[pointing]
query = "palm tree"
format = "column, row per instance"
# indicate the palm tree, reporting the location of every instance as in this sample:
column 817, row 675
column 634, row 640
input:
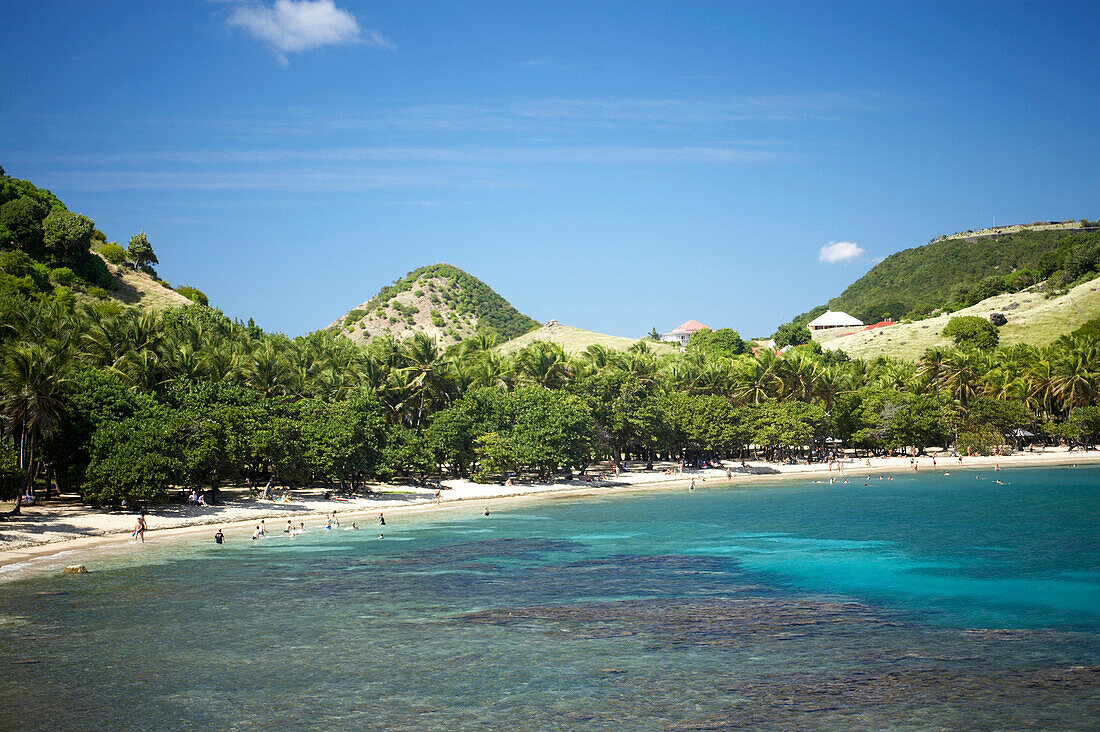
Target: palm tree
column 420, row 361
column 755, row 379
column 1075, row 376
column 963, row 376
column 931, row 366
column 31, row 379
column 544, row 364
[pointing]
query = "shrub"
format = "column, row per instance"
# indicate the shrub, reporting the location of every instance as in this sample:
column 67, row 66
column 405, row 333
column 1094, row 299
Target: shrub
column 971, row 331
column 353, row 316
column 791, row 334
column 113, row 253
column 62, row 275
column 64, row 297
column 419, row 293
column 98, row 293
column 193, row 294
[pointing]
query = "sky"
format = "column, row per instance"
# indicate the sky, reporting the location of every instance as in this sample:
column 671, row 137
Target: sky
column 615, row 166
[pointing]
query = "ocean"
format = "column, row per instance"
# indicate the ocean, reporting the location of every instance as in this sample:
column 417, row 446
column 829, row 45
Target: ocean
column 922, row 602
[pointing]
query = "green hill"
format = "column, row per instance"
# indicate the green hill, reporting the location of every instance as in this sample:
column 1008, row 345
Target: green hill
column 954, row 272
column 441, row 300
column 50, row 253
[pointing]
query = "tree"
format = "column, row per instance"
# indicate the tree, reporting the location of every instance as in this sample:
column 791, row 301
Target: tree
column 791, row 334
column 31, row 378
column 653, row 334
column 67, row 236
column 971, row 331
column 722, row 342
column 134, row 460
column 141, row 252
column 21, row 219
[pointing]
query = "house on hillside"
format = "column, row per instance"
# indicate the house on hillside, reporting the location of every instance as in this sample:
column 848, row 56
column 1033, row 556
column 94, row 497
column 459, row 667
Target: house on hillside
column 681, row 333
column 833, row 319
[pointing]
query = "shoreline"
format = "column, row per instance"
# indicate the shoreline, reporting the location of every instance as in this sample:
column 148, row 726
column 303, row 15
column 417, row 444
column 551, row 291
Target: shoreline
column 463, row 493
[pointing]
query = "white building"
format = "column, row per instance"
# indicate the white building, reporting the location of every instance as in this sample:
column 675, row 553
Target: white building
column 833, row 319
column 681, row 333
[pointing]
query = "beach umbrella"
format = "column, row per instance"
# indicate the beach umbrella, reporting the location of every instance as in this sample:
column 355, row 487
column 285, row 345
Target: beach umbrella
column 1018, row 432
column 833, row 441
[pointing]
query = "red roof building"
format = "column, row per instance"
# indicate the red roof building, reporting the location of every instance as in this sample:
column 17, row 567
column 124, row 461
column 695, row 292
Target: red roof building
column 681, row 333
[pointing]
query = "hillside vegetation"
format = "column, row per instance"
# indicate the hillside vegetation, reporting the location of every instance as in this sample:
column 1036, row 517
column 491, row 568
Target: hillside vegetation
column 576, row 340
column 950, row 274
column 441, row 301
column 1033, row 319
column 49, row 254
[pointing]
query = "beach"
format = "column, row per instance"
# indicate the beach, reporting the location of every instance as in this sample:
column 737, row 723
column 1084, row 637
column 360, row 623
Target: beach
column 43, row 531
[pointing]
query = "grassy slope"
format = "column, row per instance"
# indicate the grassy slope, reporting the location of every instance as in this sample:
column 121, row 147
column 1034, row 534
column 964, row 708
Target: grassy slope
column 575, row 340
column 1036, row 321
column 138, row 289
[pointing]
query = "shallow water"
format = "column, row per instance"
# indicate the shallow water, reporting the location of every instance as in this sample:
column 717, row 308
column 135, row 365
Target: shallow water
column 915, row 603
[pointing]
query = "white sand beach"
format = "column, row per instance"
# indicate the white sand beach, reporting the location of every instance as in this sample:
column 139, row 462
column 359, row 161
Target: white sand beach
column 44, row 530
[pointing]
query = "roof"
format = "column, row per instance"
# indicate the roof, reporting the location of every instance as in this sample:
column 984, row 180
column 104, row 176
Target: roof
column 689, row 327
column 833, row 319
column 879, row 324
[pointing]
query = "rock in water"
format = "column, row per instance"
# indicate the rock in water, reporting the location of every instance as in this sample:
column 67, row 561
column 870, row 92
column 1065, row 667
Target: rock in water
column 76, row 569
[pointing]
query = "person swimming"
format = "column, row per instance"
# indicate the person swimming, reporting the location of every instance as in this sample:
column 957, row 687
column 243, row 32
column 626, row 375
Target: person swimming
column 380, row 536
column 486, row 513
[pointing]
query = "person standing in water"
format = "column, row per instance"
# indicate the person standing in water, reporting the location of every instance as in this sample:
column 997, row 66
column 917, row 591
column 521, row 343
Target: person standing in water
column 692, row 486
column 381, row 519
column 139, row 532
column 263, row 528
column 219, row 537
column 486, row 513
column 289, row 527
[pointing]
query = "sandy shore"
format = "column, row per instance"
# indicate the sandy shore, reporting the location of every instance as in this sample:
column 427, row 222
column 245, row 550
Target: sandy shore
column 43, row 531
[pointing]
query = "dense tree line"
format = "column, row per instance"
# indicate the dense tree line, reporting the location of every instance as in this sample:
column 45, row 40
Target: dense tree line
column 128, row 405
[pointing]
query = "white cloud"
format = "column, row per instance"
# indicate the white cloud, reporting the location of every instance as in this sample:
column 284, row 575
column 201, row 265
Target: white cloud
column 299, row 25
column 839, row 251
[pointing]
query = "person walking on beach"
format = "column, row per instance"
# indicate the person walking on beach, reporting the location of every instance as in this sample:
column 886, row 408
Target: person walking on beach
column 139, row 532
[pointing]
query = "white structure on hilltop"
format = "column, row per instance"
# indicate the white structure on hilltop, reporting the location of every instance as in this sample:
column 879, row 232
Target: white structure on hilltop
column 681, row 333
column 833, row 319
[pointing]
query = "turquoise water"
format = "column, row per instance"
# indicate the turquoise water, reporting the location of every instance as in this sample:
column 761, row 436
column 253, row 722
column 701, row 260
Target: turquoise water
column 915, row 603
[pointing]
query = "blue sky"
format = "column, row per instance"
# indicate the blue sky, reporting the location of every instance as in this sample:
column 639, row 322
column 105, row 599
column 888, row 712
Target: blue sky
column 614, row 166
